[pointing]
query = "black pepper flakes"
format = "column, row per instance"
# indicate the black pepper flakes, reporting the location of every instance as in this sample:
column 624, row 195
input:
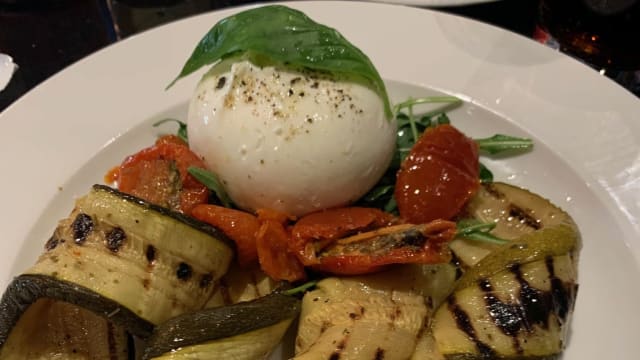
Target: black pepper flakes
column 184, row 271
column 52, row 243
column 82, row 227
column 151, row 254
column 221, row 82
column 115, row 239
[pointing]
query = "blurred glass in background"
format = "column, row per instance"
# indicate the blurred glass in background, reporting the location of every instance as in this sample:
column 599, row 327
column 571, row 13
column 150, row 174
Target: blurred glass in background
column 45, row 36
column 133, row 16
column 602, row 33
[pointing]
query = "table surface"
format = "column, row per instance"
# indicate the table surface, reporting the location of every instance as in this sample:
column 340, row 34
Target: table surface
column 44, row 40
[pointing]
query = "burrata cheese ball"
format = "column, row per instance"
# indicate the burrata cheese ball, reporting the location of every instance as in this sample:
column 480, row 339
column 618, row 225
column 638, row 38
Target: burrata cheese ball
column 292, row 140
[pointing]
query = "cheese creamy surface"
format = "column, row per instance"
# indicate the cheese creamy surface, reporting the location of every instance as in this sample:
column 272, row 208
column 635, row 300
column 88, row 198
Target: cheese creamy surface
column 290, row 141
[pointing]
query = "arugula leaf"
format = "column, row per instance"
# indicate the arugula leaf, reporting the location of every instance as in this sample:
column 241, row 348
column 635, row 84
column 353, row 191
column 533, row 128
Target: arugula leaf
column 210, row 180
column 300, row 289
column 504, row 143
column 474, row 229
column 486, row 176
column 182, row 128
column 288, row 36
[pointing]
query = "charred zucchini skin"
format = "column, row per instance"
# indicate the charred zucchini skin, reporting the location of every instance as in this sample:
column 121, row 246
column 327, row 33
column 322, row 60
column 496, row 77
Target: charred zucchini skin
column 193, row 222
column 221, row 322
column 25, row 290
column 51, row 329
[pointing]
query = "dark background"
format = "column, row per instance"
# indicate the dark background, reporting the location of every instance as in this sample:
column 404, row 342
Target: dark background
column 45, row 36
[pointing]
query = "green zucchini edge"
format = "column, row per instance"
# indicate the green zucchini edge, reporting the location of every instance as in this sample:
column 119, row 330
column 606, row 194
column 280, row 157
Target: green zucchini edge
column 188, row 220
column 25, row 290
column 220, row 322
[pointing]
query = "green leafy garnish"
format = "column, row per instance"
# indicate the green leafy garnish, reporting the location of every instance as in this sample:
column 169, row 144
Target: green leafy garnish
column 210, row 180
column 499, row 143
column 182, row 128
column 486, row 176
column 474, row 229
column 288, row 36
column 300, row 289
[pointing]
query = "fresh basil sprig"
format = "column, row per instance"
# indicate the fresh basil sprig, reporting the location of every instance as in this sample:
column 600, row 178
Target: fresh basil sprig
column 287, row 36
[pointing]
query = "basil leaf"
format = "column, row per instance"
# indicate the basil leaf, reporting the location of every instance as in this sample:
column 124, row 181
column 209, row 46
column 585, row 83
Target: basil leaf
column 288, row 36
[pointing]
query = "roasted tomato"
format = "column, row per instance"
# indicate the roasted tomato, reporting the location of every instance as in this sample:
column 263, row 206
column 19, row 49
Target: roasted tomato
column 273, row 246
column 315, row 231
column 440, row 174
column 241, row 227
column 399, row 244
column 159, row 175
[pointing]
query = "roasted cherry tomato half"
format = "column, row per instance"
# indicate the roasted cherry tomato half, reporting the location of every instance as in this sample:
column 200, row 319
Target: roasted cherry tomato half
column 437, row 178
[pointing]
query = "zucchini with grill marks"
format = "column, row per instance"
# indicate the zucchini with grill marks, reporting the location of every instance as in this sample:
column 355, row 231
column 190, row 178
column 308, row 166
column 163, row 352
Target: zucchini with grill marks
column 125, row 259
column 513, row 210
column 516, row 302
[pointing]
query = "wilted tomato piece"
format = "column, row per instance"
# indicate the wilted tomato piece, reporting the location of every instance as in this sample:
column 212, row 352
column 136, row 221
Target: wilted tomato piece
column 159, row 175
column 239, row 226
column 273, row 246
column 440, row 174
column 315, row 231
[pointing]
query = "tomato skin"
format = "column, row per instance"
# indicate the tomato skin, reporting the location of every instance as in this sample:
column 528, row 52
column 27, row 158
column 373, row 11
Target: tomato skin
column 273, row 246
column 170, row 139
column 239, row 226
column 316, row 230
column 440, row 174
column 342, row 260
column 159, row 175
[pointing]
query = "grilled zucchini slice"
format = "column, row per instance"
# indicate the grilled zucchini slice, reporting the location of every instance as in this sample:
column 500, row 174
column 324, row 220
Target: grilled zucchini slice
column 379, row 316
column 516, row 301
column 125, row 259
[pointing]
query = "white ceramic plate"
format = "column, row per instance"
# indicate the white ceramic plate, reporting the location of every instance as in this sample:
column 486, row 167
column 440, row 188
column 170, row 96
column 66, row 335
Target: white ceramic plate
column 62, row 136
